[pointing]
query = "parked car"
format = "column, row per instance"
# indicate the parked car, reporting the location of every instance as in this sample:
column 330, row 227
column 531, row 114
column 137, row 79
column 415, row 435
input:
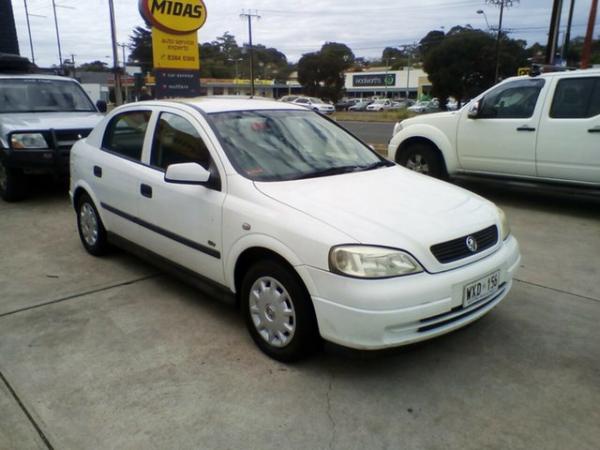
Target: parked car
column 289, row 98
column 544, row 128
column 380, row 105
column 41, row 117
column 315, row 104
column 343, row 105
column 360, row 106
column 424, row 106
column 296, row 218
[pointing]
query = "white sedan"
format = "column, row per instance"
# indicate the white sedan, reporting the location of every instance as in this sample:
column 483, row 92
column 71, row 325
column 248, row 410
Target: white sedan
column 315, row 104
column 314, row 234
column 380, row 105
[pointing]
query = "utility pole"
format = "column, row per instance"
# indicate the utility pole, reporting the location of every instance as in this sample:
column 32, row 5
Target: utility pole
column 29, row 31
column 587, row 44
column 73, row 62
column 249, row 16
column 565, row 48
column 502, row 4
column 553, row 33
column 57, row 35
column 125, row 83
column 113, row 32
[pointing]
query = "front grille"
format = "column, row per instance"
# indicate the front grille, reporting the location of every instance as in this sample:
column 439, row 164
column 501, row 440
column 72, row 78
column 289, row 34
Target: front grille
column 66, row 138
column 456, row 249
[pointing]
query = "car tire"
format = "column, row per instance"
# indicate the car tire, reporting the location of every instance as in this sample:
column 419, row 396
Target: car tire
column 13, row 186
column 278, row 311
column 423, row 158
column 91, row 229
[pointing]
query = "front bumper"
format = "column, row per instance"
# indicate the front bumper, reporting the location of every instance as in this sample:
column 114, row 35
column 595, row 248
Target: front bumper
column 377, row 314
column 38, row 161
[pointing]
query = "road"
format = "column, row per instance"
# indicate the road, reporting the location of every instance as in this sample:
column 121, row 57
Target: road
column 371, row 132
column 112, row 353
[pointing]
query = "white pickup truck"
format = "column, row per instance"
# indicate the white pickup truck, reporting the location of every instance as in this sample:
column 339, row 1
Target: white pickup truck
column 544, row 128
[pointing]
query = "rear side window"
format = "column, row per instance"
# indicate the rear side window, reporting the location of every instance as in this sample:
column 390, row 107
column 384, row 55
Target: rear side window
column 177, row 141
column 125, row 134
column 576, row 98
column 514, row 100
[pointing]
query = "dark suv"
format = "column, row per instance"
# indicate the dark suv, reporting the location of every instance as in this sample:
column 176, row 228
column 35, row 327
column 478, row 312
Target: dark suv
column 41, row 117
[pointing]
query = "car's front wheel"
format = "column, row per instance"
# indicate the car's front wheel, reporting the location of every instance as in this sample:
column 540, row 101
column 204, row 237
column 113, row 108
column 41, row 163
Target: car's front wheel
column 91, row 230
column 12, row 183
column 279, row 312
column 422, row 158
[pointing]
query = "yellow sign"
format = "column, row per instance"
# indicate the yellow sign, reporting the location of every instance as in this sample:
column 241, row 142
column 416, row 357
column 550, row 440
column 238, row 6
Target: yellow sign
column 174, row 16
column 172, row 51
column 523, row 71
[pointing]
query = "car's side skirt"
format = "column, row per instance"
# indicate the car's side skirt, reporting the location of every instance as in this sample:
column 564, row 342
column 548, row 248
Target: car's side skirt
column 207, row 286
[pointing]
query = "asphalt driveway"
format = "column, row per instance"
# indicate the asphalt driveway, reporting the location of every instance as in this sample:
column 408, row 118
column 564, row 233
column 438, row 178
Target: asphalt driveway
column 111, row 353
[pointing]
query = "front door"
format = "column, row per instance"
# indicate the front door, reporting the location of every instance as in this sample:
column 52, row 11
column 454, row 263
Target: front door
column 501, row 139
column 182, row 222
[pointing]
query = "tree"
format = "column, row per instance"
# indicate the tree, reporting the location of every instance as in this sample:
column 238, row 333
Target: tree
column 141, row 47
column 95, row 66
column 322, row 73
column 462, row 64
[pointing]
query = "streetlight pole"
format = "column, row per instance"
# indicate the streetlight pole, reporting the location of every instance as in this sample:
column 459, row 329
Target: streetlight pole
column 113, row 32
column 249, row 15
column 29, row 31
column 481, row 11
column 57, row 35
column 498, row 37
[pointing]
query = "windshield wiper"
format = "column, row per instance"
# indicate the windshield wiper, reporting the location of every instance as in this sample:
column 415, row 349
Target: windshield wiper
column 331, row 171
column 377, row 165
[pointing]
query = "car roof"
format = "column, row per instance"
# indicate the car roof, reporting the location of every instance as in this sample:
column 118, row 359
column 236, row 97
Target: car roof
column 562, row 74
column 219, row 104
column 33, row 76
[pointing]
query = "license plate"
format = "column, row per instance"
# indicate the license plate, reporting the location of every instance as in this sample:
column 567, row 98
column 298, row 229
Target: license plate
column 473, row 292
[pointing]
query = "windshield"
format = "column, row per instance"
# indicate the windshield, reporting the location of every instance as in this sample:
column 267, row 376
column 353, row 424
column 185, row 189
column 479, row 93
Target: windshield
column 31, row 95
column 290, row 145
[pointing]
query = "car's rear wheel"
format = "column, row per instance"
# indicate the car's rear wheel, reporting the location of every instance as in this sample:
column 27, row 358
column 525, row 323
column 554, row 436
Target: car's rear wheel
column 91, row 230
column 423, row 158
column 279, row 312
column 12, row 183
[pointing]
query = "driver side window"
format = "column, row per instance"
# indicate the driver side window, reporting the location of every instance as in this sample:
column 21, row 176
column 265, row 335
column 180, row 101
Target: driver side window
column 514, row 100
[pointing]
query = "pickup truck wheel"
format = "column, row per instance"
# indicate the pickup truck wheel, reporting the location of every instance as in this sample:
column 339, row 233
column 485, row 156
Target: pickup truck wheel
column 422, row 158
column 278, row 312
column 12, row 184
column 91, row 230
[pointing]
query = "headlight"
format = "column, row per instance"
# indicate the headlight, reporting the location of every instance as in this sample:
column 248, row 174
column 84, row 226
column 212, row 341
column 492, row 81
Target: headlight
column 398, row 128
column 28, row 141
column 363, row 261
column 504, row 225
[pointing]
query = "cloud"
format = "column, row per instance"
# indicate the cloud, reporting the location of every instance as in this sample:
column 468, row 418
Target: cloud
column 293, row 27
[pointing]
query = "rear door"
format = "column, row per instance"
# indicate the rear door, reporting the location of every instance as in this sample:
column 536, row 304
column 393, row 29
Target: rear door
column 568, row 146
column 502, row 139
column 116, row 169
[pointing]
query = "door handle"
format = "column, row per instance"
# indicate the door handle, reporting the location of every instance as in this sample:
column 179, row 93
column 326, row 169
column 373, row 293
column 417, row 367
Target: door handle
column 525, row 128
column 594, row 130
column 98, row 171
column 146, row 190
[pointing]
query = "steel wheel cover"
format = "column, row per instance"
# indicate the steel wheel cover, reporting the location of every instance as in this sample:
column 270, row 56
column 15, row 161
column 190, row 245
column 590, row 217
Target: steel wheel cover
column 418, row 163
column 272, row 312
column 89, row 224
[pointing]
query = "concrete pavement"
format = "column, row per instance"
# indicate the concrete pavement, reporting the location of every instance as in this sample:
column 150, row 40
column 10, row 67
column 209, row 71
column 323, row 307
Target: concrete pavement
column 109, row 353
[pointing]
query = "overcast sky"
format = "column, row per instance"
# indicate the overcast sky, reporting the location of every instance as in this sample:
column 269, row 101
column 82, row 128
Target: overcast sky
column 292, row 26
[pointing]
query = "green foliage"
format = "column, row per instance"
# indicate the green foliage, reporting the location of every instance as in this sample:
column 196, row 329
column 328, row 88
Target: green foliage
column 95, row 66
column 322, row 73
column 463, row 63
column 141, row 47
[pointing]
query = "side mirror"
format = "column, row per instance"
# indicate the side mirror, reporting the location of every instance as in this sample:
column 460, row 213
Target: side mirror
column 474, row 111
column 187, row 173
column 102, row 106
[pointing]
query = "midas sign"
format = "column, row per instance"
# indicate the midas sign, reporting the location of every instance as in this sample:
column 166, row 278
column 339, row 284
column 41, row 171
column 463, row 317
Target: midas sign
column 174, row 16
